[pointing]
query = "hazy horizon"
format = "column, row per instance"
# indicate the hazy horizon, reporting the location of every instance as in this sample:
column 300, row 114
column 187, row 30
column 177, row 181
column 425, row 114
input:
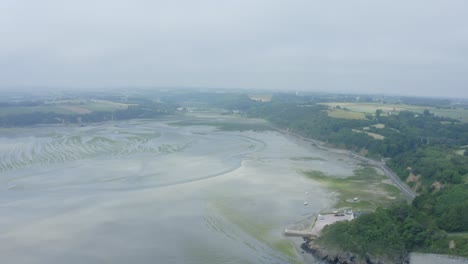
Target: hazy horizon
column 137, row 89
column 417, row 48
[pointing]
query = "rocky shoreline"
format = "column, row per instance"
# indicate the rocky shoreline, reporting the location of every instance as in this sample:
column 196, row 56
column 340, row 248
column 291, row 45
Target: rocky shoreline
column 343, row 257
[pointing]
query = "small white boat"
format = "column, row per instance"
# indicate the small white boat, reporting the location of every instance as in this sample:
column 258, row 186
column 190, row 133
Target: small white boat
column 306, row 203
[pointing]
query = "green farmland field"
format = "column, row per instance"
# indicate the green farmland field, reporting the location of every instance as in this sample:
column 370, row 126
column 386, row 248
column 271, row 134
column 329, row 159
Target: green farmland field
column 370, row 108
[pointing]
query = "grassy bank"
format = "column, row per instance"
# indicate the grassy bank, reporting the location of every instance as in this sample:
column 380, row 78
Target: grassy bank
column 372, row 189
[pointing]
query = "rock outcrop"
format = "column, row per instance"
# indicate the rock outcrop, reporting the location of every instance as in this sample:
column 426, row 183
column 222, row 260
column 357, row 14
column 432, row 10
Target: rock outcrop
column 342, row 257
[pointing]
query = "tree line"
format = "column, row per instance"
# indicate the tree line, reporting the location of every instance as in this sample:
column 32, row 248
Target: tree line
column 144, row 110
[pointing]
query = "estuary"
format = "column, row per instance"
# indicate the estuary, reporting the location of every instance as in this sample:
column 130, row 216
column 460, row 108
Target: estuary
column 149, row 191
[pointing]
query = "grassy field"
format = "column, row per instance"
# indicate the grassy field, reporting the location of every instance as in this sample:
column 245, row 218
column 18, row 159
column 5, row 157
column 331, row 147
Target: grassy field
column 339, row 113
column 374, row 135
column 370, row 187
column 460, row 114
column 370, row 108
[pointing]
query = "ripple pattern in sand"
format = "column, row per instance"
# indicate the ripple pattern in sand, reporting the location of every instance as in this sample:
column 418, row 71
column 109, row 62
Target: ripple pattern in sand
column 27, row 151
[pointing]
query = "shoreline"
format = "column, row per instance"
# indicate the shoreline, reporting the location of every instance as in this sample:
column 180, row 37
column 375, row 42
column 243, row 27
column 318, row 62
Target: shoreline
column 379, row 164
column 334, row 256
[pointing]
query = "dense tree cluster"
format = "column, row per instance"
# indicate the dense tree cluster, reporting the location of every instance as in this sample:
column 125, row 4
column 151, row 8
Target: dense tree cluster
column 448, row 207
column 436, row 163
column 404, row 228
column 391, row 231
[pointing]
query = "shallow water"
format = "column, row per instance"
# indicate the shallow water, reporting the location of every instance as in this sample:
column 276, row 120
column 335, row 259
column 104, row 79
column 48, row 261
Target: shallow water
column 147, row 192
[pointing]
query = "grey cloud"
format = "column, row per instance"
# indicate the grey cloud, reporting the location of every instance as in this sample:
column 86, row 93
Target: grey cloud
column 410, row 47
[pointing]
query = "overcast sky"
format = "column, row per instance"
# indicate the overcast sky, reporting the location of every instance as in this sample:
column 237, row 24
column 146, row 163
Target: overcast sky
column 379, row 46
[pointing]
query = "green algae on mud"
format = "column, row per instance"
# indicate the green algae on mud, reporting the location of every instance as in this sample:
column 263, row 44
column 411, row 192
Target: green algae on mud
column 307, row 158
column 371, row 189
column 228, row 124
column 258, row 228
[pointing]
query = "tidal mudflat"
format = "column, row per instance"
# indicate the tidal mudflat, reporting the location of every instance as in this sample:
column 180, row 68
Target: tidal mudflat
column 151, row 192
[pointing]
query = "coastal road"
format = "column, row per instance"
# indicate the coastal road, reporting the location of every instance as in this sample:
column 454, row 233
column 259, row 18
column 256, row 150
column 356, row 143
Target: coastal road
column 389, row 173
column 403, row 187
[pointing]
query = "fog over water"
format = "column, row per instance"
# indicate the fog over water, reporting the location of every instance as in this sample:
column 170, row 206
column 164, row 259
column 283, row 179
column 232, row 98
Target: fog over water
column 146, row 192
